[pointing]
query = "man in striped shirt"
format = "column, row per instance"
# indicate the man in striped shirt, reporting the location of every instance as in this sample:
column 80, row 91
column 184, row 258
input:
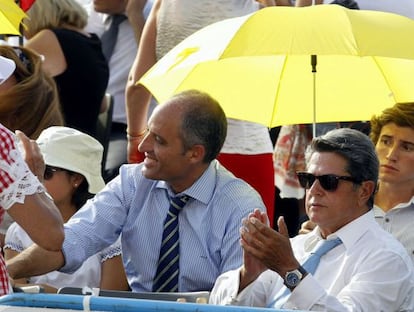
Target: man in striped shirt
column 182, row 140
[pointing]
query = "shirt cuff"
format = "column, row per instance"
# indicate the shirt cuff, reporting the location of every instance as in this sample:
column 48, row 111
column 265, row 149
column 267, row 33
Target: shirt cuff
column 305, row 295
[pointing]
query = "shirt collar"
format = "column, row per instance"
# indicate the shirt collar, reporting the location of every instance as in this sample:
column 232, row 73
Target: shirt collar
column 349, row 234
column 202, row 189
column 380, row 213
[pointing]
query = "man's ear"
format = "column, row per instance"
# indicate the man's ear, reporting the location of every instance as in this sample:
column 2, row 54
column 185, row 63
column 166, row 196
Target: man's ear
column 366, row 190
column 197, row 153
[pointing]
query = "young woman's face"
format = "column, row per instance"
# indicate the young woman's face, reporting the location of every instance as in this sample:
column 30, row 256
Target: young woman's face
column 59, row 184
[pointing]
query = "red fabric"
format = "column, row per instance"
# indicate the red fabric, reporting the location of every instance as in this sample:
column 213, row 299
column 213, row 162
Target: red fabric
column 6, row 145
column 257, row 170
column 26, row 4
column 4, row 279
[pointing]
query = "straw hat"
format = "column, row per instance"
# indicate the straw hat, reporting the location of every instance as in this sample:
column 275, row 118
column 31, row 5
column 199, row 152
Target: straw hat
column 73, row 150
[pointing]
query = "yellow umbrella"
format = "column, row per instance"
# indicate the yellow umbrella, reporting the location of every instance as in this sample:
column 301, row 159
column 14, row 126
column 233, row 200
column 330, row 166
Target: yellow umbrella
column 259, row 66
column 10, row 17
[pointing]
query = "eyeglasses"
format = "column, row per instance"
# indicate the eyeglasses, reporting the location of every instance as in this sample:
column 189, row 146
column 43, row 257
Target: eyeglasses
column 328, row 181
column 50, row 171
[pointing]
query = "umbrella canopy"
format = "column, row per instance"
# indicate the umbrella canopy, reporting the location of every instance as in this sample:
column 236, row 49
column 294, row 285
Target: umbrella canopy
column 11, row 16
column 289, row 65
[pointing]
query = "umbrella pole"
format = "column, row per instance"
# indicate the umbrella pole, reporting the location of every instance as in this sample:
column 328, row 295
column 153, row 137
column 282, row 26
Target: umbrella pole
column 314, row 61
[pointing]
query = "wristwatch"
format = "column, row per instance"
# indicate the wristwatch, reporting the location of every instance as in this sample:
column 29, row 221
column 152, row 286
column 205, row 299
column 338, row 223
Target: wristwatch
column 293, row 278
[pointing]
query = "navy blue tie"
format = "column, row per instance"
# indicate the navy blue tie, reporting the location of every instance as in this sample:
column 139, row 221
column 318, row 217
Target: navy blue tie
column 166, row 277
column 310, row 265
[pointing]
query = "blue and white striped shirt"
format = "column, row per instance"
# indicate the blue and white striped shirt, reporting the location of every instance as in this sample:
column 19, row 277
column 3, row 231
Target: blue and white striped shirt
column 136, row 207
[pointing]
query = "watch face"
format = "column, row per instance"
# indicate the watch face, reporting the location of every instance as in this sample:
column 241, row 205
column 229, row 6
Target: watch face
column 292, row 279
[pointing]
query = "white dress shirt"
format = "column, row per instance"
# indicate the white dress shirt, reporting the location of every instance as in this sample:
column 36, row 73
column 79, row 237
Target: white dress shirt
column 122, row 58
column 370, row 271
column 89, row 274
column 398, row 222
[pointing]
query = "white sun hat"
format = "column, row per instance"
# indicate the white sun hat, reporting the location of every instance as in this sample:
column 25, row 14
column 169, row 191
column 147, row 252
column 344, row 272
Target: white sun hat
column 7, row 67
column 70, row 149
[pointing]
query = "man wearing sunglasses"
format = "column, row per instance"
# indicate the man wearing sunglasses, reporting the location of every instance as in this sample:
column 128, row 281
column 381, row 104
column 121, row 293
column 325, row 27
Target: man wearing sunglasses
column 365, row 270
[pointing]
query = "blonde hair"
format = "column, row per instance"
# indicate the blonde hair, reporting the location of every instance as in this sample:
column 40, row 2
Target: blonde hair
column 33, row 103
column 50, row 14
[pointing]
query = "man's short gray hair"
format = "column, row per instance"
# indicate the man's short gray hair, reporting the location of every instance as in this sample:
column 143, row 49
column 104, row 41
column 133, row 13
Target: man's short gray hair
column 356, row 148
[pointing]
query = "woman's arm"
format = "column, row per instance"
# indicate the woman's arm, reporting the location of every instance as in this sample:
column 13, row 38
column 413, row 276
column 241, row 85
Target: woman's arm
column 113, row 275
column 137, row 97
column 135, row 13
column 24, row 282
column 9, row 254
column 37, row 214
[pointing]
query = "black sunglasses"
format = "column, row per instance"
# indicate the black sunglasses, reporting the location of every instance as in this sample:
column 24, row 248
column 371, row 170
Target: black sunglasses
column 328, row 181
column 50, row 171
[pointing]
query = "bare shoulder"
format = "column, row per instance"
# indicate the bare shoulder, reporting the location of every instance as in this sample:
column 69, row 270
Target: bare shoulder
column 47, row 44
column 42, row 40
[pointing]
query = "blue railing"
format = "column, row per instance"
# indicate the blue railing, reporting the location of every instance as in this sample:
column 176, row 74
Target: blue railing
column 96, row 303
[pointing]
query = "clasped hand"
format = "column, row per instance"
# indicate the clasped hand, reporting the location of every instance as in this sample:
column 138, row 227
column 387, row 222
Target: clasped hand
column 264, row 248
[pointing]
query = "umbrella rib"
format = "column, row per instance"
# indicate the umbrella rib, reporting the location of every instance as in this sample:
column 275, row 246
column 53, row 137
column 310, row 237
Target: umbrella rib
column 385, row 77
column 277, row 91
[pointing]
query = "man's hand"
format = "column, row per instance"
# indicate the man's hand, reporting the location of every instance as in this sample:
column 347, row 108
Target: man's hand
column 252, row 267
column 268, row 246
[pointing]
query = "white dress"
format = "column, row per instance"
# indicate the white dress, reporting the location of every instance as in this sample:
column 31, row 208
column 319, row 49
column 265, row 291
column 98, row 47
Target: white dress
column 88, row 275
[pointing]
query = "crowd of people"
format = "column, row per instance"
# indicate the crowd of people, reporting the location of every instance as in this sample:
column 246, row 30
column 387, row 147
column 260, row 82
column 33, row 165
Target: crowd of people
column 186, row 199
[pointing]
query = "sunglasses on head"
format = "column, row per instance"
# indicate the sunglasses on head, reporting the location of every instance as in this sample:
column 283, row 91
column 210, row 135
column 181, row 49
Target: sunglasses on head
column 50, row 171
column 328, row 181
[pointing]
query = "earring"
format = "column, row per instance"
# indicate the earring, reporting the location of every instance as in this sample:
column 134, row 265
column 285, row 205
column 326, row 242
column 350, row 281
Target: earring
column 76, row 184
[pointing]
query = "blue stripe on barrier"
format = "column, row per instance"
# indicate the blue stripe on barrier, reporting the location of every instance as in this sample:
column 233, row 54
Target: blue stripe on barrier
column 96, row 303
